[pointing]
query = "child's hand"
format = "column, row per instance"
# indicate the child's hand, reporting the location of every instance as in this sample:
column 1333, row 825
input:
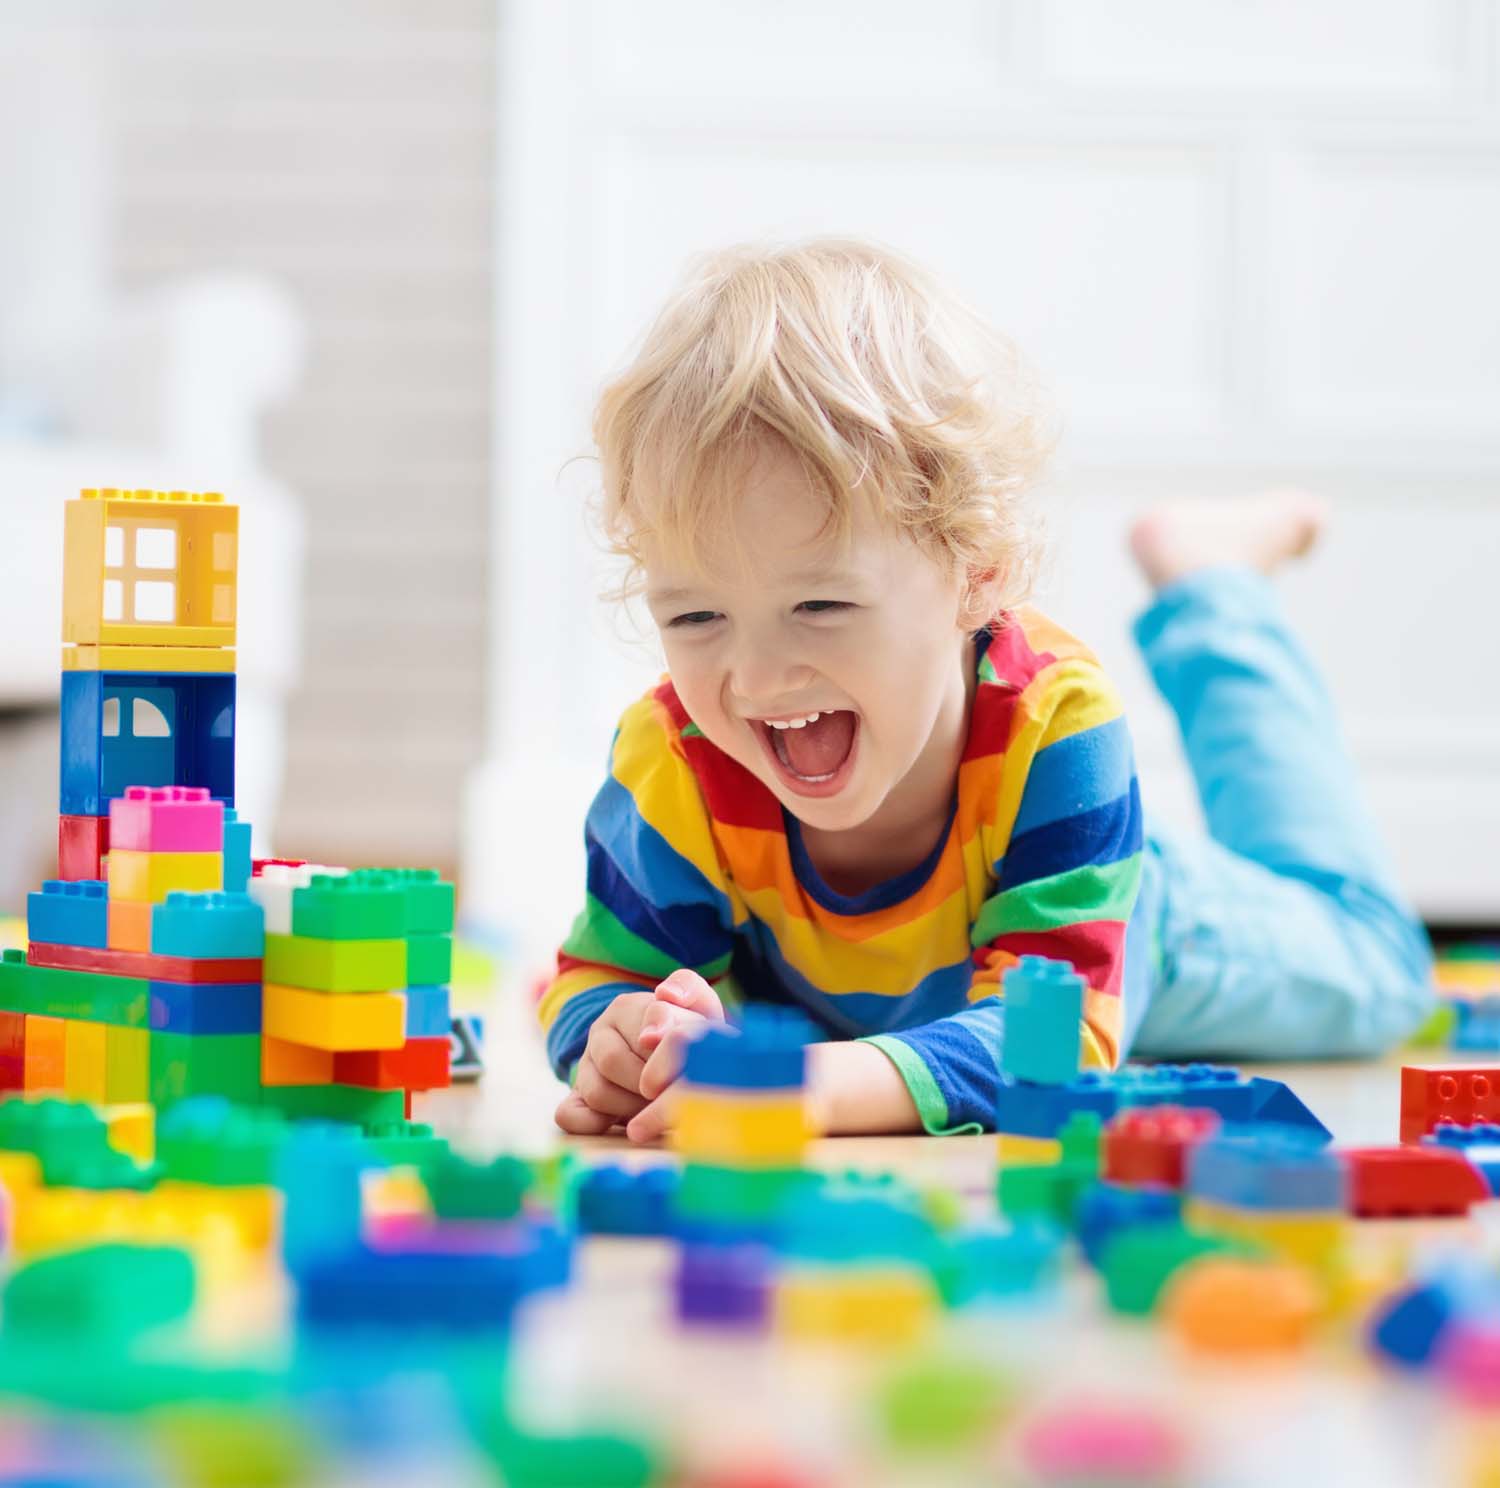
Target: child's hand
column 607, row 1088
column 685, row 1005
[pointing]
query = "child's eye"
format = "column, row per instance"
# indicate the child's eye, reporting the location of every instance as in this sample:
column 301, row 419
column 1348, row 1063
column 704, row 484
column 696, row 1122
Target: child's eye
column 692, row 618
column 824, row 606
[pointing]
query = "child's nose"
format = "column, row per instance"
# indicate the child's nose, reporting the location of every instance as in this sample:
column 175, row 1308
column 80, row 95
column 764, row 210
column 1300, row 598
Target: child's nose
column 768, row 682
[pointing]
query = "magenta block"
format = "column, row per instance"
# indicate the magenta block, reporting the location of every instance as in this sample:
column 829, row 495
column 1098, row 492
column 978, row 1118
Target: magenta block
column 168, row 818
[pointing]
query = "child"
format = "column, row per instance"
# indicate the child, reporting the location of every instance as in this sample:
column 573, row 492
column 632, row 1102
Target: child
column 872, row 780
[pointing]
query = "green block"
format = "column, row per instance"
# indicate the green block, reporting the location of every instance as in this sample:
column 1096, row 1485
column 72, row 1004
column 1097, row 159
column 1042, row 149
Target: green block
column 406, row 1144
column 224, row 1445
column 350, row 1103
column 102, row 1170
column 1048, row 1193
column 1437, row 1030
column 16, row 993
column 460, row 1189
column 89, row 995
column 429, row 961
column 367, row 904
column 336, row 965
column 740, row 1195
column 941, row 1405
column 214, row 1142
column 1138, row 1262
column 121, row 1381
column 63, row 1135
column 188, row 1064
column 429, row 903
column 103, row 1292
column 1082, row 1139
column 597, row 1458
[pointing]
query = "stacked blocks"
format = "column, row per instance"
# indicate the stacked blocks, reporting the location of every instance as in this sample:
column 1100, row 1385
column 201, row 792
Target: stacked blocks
column 1043, row 1021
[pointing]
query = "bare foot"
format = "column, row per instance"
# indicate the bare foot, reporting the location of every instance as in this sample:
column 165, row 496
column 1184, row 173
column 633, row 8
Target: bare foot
column 1179, row 537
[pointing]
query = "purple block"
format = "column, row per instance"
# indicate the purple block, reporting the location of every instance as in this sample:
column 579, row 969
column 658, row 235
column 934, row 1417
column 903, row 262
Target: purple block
column 724, row 1286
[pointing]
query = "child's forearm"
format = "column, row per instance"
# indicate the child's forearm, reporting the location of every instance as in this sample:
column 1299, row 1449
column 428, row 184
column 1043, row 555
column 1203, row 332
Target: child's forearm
column 854, row 1089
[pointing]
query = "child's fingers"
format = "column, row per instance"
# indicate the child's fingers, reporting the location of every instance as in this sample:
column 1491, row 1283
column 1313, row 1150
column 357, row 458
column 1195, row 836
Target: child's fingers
column 575, row 1116
column 686, row 989
column 610, row 1051
column 603, row 1095
column 661, row 1018
column 652, row 1123
column 665, row 1063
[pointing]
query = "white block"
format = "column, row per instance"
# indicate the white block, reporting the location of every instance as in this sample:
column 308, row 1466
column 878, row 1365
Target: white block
column 272, row 888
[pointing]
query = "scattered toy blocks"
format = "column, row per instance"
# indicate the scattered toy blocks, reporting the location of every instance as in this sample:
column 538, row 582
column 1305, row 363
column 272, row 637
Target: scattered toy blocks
column 166, row 819
column 1042, row 1038
column 1267, row 1168
column 1150, row 1145
column 70, row 912
column 610, row 1200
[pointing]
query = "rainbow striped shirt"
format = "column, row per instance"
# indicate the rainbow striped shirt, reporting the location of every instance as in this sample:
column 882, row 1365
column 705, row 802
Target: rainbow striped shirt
column 693, row 862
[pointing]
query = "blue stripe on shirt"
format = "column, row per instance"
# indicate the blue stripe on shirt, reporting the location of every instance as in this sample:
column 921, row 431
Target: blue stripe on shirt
column 1085, row 770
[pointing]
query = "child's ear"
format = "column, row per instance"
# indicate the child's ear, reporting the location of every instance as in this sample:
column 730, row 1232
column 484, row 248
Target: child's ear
column 981, row 596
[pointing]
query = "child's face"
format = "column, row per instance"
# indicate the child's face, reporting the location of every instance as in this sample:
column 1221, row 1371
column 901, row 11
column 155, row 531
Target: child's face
column 866, row 634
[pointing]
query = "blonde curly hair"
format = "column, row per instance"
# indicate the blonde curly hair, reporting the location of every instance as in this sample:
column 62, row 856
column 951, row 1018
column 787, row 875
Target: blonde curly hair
column 871, row 372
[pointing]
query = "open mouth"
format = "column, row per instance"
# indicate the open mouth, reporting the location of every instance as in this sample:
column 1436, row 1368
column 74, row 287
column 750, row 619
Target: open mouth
column 816, row 758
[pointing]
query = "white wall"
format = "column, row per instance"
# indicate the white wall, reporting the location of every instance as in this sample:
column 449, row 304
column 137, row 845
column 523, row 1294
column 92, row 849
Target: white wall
column 1246, row 242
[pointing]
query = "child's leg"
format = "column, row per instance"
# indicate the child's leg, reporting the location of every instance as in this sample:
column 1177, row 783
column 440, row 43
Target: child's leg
column 1285, row 934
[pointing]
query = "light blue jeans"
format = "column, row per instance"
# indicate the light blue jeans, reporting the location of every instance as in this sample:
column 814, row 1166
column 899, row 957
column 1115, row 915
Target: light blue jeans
column 1282, row 934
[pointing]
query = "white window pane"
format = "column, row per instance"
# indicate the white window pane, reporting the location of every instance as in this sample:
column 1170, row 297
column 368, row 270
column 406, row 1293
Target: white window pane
column 114, row 547
column 156, row 547
column 114, row 600
column 155, row 600
column 147, row 721
column 111, row 723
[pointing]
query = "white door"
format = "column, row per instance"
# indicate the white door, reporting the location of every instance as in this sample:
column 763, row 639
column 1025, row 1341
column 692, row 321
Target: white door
column 1244, row 242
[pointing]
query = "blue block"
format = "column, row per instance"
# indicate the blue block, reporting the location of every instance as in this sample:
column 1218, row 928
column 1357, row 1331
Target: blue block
column 206, row 1007
column 318, row 1172
column 1407, row 1328
column 1270, row 1168
column 426, row 1012
column 989, row 1262
column 69, row 913
column 164, row 728
column 766, row 1050
column 211, row 924
column 612, row 1200
column 1276, row 1103
column 1480, row 1144
column 236, row 853
column 1107, row 1208
column 1042, row 1040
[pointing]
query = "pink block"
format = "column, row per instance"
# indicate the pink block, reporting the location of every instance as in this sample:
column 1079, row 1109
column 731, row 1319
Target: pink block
column 170, row 818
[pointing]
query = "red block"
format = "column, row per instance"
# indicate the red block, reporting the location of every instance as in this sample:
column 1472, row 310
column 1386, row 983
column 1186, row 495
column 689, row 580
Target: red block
column 1466, row 1097
column 12, row 1051
column 1395, row 1181
column 257, row 864
column 1150, row 1144
column 419, row 1064
column 82, row 842
column 145, row 964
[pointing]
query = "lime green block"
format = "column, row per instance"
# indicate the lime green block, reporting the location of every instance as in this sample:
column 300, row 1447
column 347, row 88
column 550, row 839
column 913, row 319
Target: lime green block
column 351, row 1103
column 429, row 960
column 127, row 1066
column 103, row 1292
column 187, row 1064
column 337, row 965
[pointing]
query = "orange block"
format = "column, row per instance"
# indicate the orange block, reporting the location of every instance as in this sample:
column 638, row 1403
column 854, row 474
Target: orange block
column 286, row 1063
column 1222, row 1305
column 129, row 925
column 45, row 1060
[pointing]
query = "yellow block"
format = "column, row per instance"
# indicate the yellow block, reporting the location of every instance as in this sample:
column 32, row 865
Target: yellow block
column 149, row 568
column 1314, row 1238
column 250, row 1211
column 394, row 1193
column 132, row 1129
column 870, row 1305
column 19, row 1171
column 1028, row 1152
column 127, row 1065
column 334, row 1020
column 148, row 877
column 731, row 1129
column 86, row 1048
column 215, row 659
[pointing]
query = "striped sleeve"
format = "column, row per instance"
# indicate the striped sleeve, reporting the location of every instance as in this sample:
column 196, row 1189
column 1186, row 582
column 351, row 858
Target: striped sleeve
column 1065, row 885
column 657, row 897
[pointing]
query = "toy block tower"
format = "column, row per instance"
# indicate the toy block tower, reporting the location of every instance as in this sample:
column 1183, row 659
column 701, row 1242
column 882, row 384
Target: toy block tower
column 148, row 687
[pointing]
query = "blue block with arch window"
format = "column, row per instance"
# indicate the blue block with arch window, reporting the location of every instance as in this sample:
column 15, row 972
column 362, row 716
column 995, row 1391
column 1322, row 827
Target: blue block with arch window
column 144, row 728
